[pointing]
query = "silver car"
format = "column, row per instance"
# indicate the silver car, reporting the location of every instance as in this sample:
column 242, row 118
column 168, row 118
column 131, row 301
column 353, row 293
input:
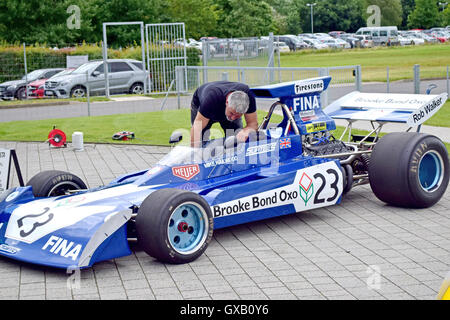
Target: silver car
column 125, row 76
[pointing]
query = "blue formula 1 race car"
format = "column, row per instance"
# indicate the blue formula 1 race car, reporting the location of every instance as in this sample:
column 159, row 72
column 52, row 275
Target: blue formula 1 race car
column 283, row 168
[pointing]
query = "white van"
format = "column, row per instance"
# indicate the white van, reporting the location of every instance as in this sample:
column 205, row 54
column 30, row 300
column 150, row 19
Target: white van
column 381, row 35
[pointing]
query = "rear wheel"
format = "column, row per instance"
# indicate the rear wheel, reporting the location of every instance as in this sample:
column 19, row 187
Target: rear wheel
column 409, row 169
column 54, row 183
column 174, row 226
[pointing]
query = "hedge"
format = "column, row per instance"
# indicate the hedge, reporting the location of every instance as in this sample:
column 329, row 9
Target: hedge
column 40, row 56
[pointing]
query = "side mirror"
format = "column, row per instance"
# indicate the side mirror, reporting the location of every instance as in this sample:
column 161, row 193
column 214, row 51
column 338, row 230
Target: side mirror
column 96, row 73
column 176, row 137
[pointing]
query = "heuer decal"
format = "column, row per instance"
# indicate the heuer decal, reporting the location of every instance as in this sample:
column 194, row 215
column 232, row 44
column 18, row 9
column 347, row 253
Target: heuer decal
column 62, row 247
column 313, row 187
column 186, row 172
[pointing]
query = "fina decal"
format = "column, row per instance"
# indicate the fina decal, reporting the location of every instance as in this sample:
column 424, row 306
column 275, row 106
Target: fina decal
column 285, row 143
column 62, row 247
column 186, row 172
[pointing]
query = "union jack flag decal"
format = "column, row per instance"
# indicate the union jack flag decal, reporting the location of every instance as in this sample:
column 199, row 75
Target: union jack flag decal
column 285, row 143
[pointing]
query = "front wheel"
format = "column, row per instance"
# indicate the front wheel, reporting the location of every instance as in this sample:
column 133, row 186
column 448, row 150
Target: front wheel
column 54, row 183
column 174, row 226
column 409, row 169
column 137, row 88
column 78, row 92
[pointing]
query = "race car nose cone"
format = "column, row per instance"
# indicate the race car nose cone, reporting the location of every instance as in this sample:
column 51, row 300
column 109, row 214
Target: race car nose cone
column 183, row 226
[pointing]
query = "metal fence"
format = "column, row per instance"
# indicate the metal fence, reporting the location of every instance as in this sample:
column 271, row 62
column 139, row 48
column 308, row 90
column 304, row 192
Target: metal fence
column 189, row 78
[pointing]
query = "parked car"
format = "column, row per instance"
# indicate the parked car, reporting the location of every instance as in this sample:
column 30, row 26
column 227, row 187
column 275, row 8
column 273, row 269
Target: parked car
column 36, row 88
column 412, row 38
column 292, row 41
column 335, row 34
column 125, row 76
column 419, row 34
column 334, row 43
column 351, row 39
column 381, row 35
column 16, row 89
column 365, row 41
column 315, row 44
column 281, row 46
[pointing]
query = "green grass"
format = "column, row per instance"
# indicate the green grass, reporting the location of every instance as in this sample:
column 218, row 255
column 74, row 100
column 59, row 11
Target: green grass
column 152, row 128
column 441, row 118
column 432, row 59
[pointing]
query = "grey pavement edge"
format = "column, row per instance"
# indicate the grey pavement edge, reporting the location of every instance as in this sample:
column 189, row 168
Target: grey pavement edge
column 360, row 249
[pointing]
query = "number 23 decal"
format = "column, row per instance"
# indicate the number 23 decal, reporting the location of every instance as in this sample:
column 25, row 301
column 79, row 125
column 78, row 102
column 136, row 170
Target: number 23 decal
column 333, row 185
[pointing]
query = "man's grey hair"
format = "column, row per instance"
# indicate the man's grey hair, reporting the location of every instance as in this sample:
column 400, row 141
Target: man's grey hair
column 239, row 101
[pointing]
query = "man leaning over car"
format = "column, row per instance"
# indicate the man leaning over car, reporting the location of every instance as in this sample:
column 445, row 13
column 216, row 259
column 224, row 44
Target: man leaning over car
column 224, row 102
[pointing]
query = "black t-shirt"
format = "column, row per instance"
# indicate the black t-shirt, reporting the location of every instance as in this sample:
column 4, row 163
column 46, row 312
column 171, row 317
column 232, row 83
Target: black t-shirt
column 210, row 98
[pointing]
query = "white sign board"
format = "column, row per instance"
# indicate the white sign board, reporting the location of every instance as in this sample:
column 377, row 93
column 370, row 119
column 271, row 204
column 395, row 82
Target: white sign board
column 76, row 61
column 5, row 158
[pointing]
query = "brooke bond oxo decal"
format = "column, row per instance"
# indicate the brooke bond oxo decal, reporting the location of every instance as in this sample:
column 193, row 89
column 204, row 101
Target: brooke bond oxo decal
column 186, row 172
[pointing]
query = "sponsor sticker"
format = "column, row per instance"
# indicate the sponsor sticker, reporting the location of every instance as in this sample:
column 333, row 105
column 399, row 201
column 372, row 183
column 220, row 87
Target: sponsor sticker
column 306, row 187
column 8, row 249
column 425, row 112
column 314, row 127
column 62, row 247
column 264, row 148
column 315, row 86
column 186, row 172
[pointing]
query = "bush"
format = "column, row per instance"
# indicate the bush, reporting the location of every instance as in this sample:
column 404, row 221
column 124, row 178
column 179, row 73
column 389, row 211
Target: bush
column 40, row 56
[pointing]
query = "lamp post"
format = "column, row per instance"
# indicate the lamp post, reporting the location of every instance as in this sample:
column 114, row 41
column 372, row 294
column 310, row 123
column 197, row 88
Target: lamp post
column 443, row 4
column 311, row 5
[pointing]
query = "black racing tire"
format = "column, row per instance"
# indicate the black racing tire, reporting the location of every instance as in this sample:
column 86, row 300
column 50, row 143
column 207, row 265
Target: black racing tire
column 78, row 92
column 347, row 172
column 174, row 226
column 409, row 169
column 54, row 183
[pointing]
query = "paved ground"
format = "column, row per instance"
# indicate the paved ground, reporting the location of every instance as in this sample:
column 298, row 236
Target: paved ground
column 360, row 249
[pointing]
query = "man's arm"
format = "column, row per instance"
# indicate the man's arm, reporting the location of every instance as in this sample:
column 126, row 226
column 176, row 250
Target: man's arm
column 252, row 125
column 199, row 124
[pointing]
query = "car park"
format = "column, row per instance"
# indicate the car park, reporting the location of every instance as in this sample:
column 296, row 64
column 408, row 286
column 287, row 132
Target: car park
column 17, row 89
column 292, row 42
column 173, row 208
column 125, row 76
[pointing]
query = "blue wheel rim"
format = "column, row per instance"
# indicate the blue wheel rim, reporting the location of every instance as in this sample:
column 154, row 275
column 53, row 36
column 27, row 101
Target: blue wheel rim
column 187, row 228
column 431, row 171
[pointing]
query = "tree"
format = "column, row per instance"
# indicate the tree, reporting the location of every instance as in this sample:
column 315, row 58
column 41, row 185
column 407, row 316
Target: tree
column 339, row 15
column 244, row 18
column 425, row 15
column 445, row 16
column 408, row 7
column 200, row 16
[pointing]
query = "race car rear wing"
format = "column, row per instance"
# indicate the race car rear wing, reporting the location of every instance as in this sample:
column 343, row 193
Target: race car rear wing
column 412, row 109
column 382, row 108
